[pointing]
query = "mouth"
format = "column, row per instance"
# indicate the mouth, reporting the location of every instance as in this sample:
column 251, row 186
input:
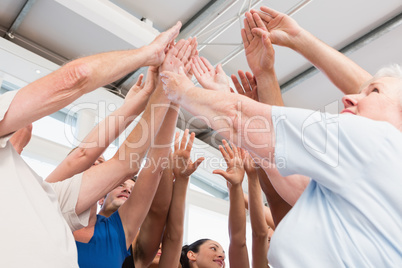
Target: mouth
column 125, row 197
column 220, row 262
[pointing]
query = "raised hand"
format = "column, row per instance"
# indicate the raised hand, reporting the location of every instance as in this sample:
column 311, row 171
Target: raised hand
column 248, row 86
column 282, row 28
column 234, row 173
column 175, row 85
column 183, row 167
column 161, row 43
column 208, row 77
column 177, row 56
column 250, row 166
column 258, row 48
column 194, row 53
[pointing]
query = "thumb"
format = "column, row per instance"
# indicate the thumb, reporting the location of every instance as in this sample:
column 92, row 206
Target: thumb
column 220, row 70
column 221, row 172
column 198, row 162
column 181, row 71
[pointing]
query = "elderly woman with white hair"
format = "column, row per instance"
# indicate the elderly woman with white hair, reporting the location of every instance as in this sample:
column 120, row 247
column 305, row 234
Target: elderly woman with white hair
column 350, row 214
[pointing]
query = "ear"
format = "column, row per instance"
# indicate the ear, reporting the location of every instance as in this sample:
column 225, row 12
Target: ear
column 101, row 201
column 191, row 255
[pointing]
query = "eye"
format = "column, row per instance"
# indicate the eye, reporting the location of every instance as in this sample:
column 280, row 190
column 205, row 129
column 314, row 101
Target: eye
column 375, row 90
column 213, row 248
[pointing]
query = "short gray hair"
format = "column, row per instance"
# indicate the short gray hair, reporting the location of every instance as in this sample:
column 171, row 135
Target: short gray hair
column 393, row 70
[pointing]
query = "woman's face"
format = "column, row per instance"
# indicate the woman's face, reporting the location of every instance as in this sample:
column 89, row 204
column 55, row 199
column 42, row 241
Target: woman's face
column 210, row 255
column 380, row 100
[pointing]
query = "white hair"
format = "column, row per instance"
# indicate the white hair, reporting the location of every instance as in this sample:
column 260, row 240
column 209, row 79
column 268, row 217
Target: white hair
column 393, row 70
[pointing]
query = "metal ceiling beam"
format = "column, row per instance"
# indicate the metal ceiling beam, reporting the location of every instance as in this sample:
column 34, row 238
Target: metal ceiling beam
column 349, row 49
column 18, row 20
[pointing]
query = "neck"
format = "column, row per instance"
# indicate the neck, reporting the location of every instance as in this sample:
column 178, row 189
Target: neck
column 106, row 212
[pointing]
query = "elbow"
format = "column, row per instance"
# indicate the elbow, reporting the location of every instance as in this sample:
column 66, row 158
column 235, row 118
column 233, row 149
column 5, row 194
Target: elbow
column 76, row 75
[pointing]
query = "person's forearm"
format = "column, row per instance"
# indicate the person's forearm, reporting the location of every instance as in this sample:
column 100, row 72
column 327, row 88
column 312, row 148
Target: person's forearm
column 144, row 193
column 238, row 256
column 137, row 143
column 269, row 91
column 173, row 237
column 279, row 207
column 342, row 71
column 237, row 118
column 97, row 141
column 256, row 207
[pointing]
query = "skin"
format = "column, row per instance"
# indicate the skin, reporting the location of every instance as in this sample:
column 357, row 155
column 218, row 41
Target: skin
column 210, row 255
column 115, row 198
column 234, row 175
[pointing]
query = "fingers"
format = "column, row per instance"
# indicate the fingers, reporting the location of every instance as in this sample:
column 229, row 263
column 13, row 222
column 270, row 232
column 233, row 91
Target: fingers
column 251, row 80
column 199, row 65
column 190, row 142
column 228, row 149
column 187, row 55
column 169, row 35
column 219, row 70
column 184, row 140
column 225, row 155
column 198, row 162
column 139, row 80
column 176, row 141
column 246, row 43
column 260, row 33
column 181, row 47
column 237, row 85
column 250, row 20
column 247, row 29
column 269, row 12
column 221, row 172
column 258, row 21
column 207, row 64
column 244, row 81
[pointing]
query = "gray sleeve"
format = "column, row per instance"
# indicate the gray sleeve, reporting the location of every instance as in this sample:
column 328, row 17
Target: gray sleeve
column 67, row 192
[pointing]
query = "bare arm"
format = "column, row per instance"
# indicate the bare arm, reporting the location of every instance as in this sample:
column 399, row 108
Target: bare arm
column 135, row 209
column 261, row 57
column 150, row 234
column 96, row 142
column 183, row 167
column 238, row 256
column 99, row 180
column 258, row 221
column 237, row 117
column 284, row 31
column 58, row 89
column 21, row 138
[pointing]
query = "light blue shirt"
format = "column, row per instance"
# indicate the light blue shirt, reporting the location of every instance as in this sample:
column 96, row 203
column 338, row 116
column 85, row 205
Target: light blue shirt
column 350, row 215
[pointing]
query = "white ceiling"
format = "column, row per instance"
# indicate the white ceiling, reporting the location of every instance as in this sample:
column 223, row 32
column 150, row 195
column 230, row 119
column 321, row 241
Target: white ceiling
column 61, row 30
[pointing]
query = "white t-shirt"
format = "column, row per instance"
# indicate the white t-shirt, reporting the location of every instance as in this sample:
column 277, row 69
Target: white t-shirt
column 33, row 232
column 350, row 215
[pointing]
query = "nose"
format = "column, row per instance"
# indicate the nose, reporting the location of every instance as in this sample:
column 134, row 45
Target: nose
column 350, row 100
column 127, row 189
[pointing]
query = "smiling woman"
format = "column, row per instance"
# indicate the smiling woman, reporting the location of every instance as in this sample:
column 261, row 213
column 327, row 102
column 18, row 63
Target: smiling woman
column 202, row 253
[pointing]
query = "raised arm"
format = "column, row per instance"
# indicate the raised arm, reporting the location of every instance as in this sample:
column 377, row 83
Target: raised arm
column 259, row 225
column 58, row 89
column 183, row 167
column 234, row 174
column 149, row 237
column 99, row 180
column 21, row 138
column 96, row 142
column 135, row 209
column 208, row 77
column 260, row 58
column 284, row 31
